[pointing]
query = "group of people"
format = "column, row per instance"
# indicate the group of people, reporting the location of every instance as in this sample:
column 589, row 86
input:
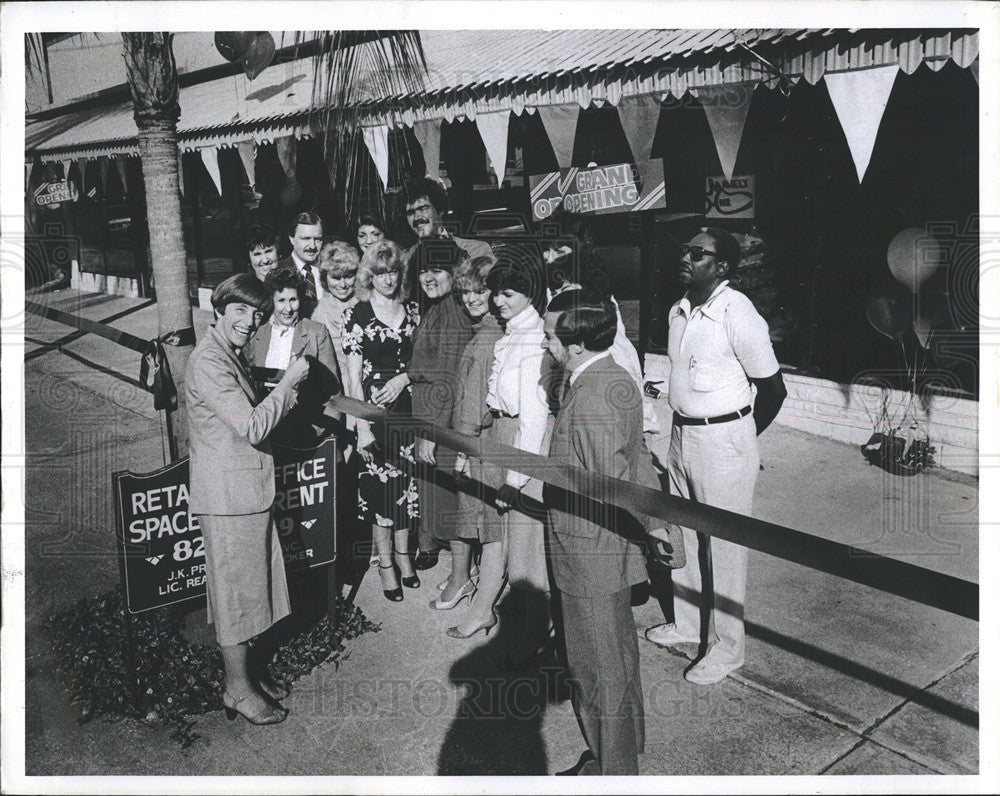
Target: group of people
column 520, row 345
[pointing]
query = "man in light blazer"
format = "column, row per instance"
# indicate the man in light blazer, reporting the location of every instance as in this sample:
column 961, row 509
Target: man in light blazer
column 309, row 339
column 232, row 489
column 596, row 548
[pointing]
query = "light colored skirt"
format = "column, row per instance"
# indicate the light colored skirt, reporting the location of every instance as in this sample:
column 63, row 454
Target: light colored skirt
column 244, row 575
column 524, row 533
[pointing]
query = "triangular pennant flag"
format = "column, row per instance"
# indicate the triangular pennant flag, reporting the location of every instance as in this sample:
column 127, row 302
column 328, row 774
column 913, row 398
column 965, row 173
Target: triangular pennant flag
column 377, row 141
column 210, row 157
column 493, row 128
column 286, row 155
column 104, row 168
column 120, row 165
column 428, row 135
column 639, row 117
column 66, row 164
column 860, row 99
column 81, row 164
column 248, row 155
column 726, row 119
column 27, row 176
column 559, row 122
column 974, row 68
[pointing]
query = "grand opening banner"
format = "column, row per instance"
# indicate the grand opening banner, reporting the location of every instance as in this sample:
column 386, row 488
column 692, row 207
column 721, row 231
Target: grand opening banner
column 599, row 190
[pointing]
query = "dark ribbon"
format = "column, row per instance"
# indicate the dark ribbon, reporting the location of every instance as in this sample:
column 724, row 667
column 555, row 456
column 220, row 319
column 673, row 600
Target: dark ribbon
column 154, row 371
column 154, row 375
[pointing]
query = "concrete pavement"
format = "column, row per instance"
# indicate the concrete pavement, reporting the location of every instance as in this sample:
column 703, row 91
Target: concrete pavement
column 840, row 678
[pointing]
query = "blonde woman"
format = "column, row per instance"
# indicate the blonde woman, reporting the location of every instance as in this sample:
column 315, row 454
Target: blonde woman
column 338, row 270
column 378, row 343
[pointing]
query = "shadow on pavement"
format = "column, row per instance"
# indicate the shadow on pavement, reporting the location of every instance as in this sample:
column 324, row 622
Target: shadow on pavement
column 497, row 725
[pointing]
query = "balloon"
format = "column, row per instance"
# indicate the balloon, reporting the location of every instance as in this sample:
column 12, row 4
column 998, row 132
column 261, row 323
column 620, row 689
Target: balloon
column 889, row 314
column 233, row 44
column 913, row 257
column 258, row 55
column 922, row 329
column 934, row 300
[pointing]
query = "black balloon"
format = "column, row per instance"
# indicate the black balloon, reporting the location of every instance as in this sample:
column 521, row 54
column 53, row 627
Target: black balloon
column 889, row 313
column 934, row 301
column 233, row 44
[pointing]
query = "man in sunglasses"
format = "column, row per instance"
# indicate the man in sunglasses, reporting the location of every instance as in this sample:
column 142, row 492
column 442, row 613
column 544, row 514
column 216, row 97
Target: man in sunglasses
column 718, row 346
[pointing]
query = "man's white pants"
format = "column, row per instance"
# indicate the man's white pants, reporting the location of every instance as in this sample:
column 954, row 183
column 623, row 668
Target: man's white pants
column 716, row 465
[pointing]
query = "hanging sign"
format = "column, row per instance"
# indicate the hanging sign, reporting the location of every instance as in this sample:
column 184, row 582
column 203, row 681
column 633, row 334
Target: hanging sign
column 161, row 552
column 733, row 198
column 53, row 194
column 621, row 188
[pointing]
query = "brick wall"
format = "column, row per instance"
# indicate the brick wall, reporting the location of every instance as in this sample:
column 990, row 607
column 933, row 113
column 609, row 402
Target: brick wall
column 847, row 413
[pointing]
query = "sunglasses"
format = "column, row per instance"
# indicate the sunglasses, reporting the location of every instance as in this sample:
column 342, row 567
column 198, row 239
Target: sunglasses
column 696, row 252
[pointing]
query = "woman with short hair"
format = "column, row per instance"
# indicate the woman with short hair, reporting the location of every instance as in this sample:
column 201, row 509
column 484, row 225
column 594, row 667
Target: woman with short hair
column 378, row 343
column 232, row 489
column 285, row 335
column 369, row 229
column 467, row 418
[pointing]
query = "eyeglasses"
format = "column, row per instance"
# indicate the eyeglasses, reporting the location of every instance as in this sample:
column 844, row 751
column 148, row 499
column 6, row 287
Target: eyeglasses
column 696, row 252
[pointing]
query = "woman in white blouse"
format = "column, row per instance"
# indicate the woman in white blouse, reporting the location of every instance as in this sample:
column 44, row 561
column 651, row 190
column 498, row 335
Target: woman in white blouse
column 513, row 534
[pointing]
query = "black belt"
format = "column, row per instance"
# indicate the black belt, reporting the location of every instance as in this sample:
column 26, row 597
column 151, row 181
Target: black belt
column 680, row 420
column 500, row 413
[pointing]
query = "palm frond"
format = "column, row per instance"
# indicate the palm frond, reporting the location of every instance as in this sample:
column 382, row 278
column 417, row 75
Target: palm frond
column 354, row 72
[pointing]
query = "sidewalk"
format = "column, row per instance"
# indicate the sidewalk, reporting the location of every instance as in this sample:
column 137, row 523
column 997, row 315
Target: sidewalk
column 839, row 679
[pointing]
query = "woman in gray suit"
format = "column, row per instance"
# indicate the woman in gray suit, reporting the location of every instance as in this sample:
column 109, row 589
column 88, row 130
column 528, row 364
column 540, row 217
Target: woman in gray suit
column 232, row 488
column 286, row 335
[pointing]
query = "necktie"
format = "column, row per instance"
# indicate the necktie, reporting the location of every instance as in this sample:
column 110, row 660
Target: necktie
column 311, row 293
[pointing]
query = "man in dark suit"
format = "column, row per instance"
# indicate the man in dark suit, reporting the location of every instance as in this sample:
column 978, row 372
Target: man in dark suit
column 306, row 236
column 596, row 548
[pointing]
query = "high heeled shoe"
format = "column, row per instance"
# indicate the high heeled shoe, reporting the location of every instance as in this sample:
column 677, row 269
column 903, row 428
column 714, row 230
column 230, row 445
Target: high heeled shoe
column 446, row 605
column 272, row 714
column 394, row 595
column 486, row 627
column 271, row 689
column 473, row 574
column 410, row 581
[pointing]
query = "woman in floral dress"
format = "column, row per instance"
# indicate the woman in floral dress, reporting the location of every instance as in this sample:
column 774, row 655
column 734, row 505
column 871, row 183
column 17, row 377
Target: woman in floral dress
column 378, row 333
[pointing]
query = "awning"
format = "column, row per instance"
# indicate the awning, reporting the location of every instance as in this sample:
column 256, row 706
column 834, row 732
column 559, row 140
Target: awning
column 472, row 72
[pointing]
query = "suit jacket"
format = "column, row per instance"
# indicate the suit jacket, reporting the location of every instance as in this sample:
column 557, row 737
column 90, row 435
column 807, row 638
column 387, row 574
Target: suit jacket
column 312, row 341
column 595, row 546
column 231, row 467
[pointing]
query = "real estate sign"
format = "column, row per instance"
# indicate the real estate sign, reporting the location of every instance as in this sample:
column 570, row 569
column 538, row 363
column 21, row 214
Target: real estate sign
column 160, row 547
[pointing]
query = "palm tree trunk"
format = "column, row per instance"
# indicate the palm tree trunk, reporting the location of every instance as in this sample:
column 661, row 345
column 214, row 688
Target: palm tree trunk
column 152, row 79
